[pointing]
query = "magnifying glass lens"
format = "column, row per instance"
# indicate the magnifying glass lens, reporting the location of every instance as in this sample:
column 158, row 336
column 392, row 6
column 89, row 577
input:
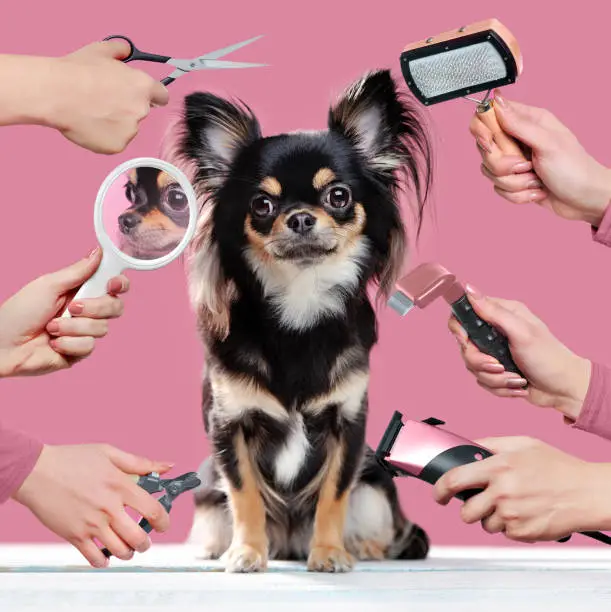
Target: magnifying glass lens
column 145, row 216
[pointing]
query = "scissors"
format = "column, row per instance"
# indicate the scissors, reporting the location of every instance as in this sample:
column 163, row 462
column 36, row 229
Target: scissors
column 209, row 61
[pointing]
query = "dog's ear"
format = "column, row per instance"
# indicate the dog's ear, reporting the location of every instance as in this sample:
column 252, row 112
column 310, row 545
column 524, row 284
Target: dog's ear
column 213, row 132
column 386, row 129
column 210, row 292
column 392, row 140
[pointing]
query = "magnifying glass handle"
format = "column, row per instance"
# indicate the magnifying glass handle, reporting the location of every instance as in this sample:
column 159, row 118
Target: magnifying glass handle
column 97, row 285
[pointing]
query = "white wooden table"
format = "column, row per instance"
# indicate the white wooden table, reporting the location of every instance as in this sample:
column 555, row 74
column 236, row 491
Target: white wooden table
column 170, row 577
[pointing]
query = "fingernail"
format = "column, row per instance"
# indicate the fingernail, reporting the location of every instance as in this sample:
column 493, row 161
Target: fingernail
column 521, row 167
column 76, row 308
column 535, row 184
column 501, row 101
column 518, row 392
column 473, row 292
column 516, row 383
column 92, row 253
column 144, row 546
column 484, row 144
column 493, row 368
column 53, row 327
column 535, row 196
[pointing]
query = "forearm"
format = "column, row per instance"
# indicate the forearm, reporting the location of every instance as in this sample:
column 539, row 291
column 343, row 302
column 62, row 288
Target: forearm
column 18, row 456
column 29, row 91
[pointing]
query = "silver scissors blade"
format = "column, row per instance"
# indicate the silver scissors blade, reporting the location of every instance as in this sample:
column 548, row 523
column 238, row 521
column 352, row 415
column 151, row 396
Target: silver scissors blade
column 230, row 49
column 203, row 64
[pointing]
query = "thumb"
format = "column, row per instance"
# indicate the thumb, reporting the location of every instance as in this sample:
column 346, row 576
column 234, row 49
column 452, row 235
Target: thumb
column 504, row 444
column 76, row 274
column 134, row 464
column 493, row 312
column 115, row 48
column 526, row 123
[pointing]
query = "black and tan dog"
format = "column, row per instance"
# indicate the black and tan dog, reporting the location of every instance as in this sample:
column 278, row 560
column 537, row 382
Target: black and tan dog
column 158, row 215
column 293, row 229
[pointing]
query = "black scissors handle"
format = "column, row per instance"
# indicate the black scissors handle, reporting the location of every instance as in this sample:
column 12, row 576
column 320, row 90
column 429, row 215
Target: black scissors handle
column 136, row 55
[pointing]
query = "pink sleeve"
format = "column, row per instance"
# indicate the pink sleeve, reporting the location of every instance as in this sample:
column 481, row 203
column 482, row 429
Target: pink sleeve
column 595, row 416
column 18, row 456
column 602, row 234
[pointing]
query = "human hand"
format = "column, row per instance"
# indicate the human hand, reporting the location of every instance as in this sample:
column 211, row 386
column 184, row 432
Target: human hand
column 557, row 377
column 35, row 340
column 81, row 492
column 561, row 175
column 532, row 491
column 97, row 101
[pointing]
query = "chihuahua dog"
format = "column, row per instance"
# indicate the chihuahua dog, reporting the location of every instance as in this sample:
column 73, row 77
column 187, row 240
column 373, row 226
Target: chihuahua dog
column 292, row 230
column 157, row 217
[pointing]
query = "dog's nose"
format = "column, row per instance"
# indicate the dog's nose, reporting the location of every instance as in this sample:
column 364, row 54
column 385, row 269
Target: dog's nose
column 128, row 221
column 301, row 222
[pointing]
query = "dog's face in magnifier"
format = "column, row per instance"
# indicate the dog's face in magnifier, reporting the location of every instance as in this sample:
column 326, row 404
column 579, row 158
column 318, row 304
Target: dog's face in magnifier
column 158, row 216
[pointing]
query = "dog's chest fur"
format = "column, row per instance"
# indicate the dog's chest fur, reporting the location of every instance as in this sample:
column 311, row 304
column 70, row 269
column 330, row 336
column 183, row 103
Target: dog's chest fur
column 291, row 389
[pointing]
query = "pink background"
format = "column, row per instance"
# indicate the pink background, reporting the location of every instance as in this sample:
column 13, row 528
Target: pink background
column 113, row 205
column 141, row 389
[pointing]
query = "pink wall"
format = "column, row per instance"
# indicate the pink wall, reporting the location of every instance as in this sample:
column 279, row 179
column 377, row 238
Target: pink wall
column 140, row 391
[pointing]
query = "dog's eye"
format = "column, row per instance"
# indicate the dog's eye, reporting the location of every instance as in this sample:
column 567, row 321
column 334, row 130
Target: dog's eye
column 176, row 198
column 262, row 207
column 130, row 193
column 338, row 197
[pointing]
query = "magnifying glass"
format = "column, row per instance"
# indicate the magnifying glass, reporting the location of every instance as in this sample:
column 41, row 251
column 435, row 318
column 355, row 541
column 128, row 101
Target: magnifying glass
column 144, row 218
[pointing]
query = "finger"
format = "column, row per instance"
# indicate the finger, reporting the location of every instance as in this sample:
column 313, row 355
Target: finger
column 478, row 362
column 106, row 307
column 118, row 285
column 492, row 311
column 91, row 552
column 133, row 464
column 116, row 48
column 504, row 392
column 76, row 347
column 506, row 444
column 513, row 182
column 493, row 523
column 114, row 544
column 471, row 476
column 532, row 126
column 94, row 328
column 130, row 532
column 528, row 196
column 146, row 506
column 482, row 134
column 506, row 380
column 75, row 274
column 160, row 95
column 477, row 508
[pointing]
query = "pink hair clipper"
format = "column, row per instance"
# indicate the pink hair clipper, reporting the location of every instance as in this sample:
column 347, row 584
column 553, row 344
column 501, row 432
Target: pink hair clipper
column 423, row 450
column 429, row 281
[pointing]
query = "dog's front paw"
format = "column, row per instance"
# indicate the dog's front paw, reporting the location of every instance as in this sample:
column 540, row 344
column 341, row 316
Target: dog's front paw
column 369, row 550
column 244, row 558
column 330, row 559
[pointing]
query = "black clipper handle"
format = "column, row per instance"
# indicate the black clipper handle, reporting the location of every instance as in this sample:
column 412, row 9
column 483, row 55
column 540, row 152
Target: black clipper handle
column 486, row 338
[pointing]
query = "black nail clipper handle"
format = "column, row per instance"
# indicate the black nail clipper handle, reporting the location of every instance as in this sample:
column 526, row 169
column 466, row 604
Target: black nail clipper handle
column 486, row 338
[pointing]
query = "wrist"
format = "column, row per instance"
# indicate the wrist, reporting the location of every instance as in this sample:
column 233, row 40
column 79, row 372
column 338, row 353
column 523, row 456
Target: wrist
column 578, row 375
column 600, row 200
column 33, row 91
column 595, row 514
